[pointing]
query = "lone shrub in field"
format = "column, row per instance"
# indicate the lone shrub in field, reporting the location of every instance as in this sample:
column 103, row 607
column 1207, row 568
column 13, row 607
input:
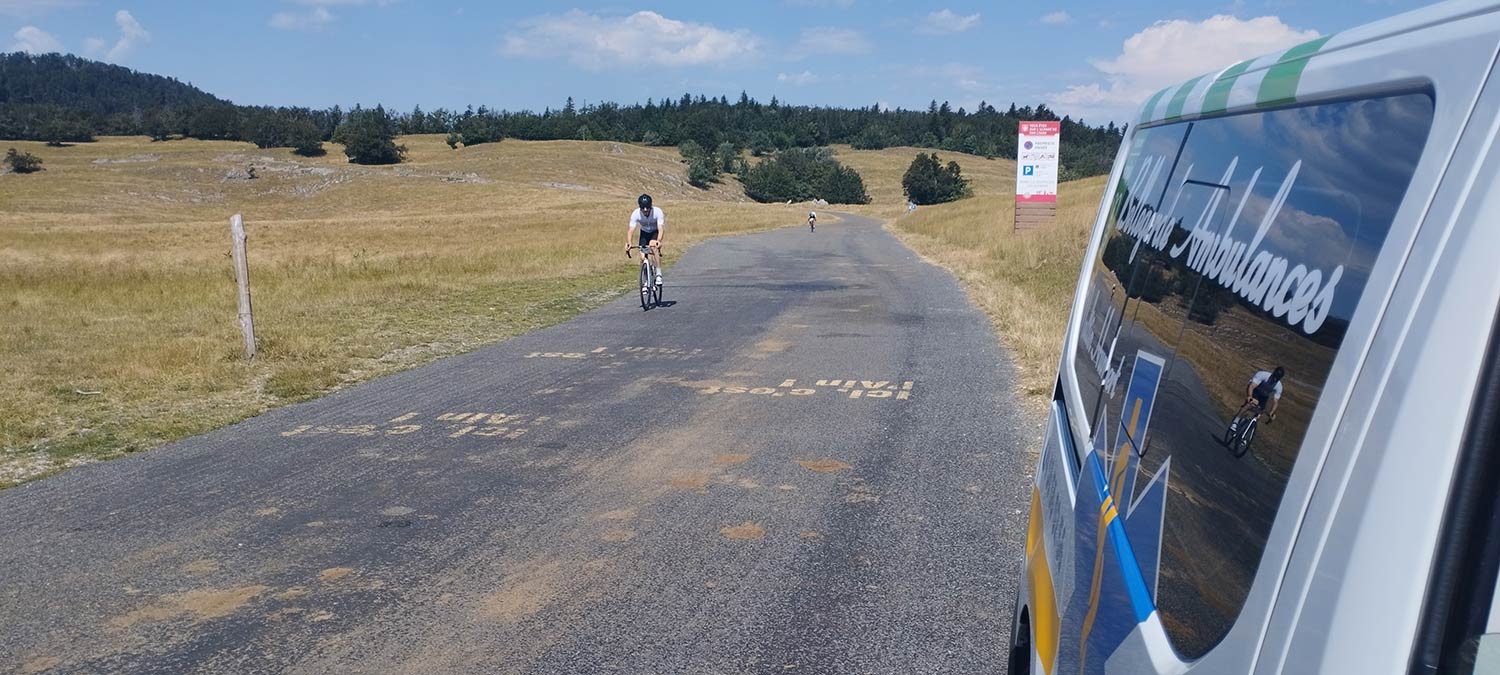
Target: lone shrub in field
column 927, row 181
column 369, row 137
column 22, row 162
column 703, row 168
column 803, row 174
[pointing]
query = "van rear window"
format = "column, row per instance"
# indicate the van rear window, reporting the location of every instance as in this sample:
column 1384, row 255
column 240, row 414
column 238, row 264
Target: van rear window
column 1236, row 251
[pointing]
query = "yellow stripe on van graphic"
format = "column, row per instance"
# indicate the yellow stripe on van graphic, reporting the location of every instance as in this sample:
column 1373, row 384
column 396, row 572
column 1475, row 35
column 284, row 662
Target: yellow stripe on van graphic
column 1106, row 516
column 1043, row 598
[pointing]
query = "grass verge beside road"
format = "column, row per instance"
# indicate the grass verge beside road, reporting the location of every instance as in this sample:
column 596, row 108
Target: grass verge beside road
column 1024, row 280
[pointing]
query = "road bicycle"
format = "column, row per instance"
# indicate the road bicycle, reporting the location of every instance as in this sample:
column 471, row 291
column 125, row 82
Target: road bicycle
column 651, row 289
column 1241, row 430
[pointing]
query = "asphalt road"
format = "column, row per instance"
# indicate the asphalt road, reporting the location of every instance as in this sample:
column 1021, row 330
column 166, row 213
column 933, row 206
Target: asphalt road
column 812, row 461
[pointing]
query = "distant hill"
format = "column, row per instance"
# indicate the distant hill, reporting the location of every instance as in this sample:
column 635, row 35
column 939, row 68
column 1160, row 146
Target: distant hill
column 58, row 99
column 91, row 86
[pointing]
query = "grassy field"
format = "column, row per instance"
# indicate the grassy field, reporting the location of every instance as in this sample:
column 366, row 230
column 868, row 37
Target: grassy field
column 882, row 171
column 117, row 307
column 115, row 276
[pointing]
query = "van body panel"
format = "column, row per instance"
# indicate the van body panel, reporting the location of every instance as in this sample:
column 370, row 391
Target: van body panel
column 1387, row 505
column 1081, row 547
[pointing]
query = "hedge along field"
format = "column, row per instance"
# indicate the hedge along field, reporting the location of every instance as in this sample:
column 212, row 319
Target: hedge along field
column 117, row 300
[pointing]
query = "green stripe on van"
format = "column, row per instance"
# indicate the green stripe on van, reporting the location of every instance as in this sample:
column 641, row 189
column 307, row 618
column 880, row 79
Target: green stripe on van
column 1174, row 107
column 1151, row 105
column 1217, row 98
column 1280, row 85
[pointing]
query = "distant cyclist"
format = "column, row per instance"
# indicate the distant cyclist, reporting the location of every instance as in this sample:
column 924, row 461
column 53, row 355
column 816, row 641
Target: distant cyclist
column 652, row 224
column 812, row 220
column 1264, row 389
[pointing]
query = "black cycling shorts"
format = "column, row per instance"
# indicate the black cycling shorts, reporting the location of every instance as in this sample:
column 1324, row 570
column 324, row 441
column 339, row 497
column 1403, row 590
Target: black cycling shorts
column 646, row 237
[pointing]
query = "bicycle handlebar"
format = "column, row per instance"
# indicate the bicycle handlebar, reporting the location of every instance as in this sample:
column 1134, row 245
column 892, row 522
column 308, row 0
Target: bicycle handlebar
column 628, row 249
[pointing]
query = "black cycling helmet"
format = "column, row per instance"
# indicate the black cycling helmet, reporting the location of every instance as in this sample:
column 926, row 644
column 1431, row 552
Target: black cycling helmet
column 644, row 201
column 1278, row 373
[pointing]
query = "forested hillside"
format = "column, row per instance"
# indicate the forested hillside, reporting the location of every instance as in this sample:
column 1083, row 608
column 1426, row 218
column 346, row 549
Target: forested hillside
column 58, row 98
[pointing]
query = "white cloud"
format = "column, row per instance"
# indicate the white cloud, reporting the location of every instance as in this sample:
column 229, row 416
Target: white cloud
column 317, row 18
column 1057, row 18
column 832, row 41
column 1167, row 53
column 132, row 34
column 35, row 41
column 801, row 79
column 964, row 77
column 645, row 38
column 34, row 7
column 94, row 47
column 945, row 22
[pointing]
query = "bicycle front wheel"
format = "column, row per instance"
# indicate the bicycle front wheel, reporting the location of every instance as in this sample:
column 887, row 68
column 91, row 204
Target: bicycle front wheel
column 646, row 286
column 1242, row 443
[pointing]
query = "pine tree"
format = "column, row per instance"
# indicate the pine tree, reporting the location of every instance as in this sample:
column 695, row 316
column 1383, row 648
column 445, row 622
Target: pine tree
column 369, row 136
column 927, row 181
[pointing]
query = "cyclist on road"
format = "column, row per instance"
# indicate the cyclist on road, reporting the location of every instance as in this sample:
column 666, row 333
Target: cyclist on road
column 652, row 224
column 1265, row 389
column 812, row 220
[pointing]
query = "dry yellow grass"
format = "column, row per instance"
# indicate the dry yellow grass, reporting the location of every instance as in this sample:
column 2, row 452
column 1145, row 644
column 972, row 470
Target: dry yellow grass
column 114, row 275
column 1023, row 280
column 882, row 171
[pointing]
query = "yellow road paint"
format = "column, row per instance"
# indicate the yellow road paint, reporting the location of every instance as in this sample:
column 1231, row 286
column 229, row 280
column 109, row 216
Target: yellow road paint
column 638, row 353
column 403, row 418
column 876, row 389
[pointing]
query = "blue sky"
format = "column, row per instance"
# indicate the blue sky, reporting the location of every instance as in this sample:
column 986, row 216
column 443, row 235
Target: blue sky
column 1088, row 58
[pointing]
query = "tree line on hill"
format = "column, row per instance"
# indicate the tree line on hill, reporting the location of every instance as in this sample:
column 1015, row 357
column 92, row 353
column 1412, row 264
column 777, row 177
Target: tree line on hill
column 67, row 99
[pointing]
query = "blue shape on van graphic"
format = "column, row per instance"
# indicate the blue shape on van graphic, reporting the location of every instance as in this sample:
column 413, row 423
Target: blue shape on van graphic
column 1140, row 398
column 1145, row 524
column 1028, row 170
column 1118, row 541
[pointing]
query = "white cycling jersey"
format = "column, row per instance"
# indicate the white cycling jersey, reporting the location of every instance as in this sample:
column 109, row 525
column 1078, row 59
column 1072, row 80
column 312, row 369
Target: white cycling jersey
column 1262, row 376
column 650, row 223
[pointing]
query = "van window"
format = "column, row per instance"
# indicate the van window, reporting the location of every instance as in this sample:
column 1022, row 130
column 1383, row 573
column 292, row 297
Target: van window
column 1234, row 247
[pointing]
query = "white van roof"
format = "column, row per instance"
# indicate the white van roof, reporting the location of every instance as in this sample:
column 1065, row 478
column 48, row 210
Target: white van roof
column 1278, row 78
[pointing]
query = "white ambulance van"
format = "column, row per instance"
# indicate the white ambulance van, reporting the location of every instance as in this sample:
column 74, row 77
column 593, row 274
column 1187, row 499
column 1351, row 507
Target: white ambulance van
column 1274, row 443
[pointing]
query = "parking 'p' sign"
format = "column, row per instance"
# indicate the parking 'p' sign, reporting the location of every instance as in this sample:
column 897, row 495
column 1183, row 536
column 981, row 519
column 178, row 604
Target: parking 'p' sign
column 1036, row 173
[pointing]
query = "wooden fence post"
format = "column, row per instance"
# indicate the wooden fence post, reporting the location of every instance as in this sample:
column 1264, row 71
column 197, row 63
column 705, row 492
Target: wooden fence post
column 242, row 278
